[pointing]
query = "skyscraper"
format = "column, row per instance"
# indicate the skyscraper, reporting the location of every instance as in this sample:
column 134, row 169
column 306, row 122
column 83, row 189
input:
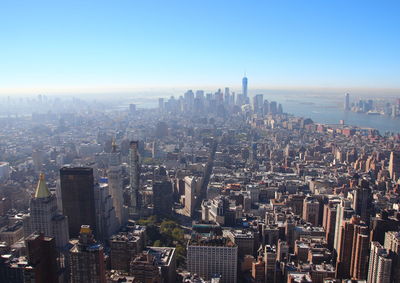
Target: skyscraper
column 134, row 174
column 77, row 191
column 258, row 104
column 353, row 250
column 87, row 259
column 379, row 264
column 106, row 220
column 45, row 217
column 347, row 102
column 115, row 182
column 244, row 88
column 329, row 221
column 362, row 201
column 343, row 212
column 162, row 197
column 394, row 165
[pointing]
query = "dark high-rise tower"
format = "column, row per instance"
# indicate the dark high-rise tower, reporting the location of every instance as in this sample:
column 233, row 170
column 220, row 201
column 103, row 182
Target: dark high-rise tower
column 363, row 201
column 77, row 194
column 162, row 193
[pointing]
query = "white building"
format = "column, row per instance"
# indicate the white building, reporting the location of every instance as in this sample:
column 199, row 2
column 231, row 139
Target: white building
column 207, row 257
column 106, row 220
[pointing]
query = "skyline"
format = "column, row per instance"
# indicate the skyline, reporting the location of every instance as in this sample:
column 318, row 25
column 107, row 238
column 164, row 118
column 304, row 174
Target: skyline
column 107, row 47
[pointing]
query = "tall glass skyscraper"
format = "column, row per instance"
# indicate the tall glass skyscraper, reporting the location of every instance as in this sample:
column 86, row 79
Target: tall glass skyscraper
column 244, row 87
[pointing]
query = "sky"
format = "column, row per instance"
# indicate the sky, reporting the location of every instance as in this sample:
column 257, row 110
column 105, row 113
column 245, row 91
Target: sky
column 77, row 46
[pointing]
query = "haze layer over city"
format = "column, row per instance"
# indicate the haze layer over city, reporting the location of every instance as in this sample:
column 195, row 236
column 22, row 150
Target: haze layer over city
column 199, row 141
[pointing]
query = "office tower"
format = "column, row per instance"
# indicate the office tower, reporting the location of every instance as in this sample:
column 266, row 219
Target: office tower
column 77, row 194
column 115, row 183
column 244, row 87
column 380, row 265
column 190, row 195
column 227, row 98
column 280, row 109
column 188, row 101
column 273, row 107
column 311, row 210
column 343, row 212
column 363, row 201
column 270, row 264
column 125, row 245
column 347, row 102
column 42, row 258
column 258, row 271
column 44, row 216
column 162, row 197
column 208, row 256
column 134, row 174
column 258, row 104
column 266, row 107
column 87, row 259
column 394, row 165
column 106, row 220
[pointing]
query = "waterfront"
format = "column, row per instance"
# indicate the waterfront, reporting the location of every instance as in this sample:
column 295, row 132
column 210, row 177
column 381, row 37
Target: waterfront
column 331, row 113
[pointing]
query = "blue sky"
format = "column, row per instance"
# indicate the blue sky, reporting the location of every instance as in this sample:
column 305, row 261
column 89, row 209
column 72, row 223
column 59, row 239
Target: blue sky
column 50, row 46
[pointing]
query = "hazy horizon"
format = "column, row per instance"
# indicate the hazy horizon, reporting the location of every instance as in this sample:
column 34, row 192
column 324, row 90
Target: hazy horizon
column 119, row 46
column 177, row 91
